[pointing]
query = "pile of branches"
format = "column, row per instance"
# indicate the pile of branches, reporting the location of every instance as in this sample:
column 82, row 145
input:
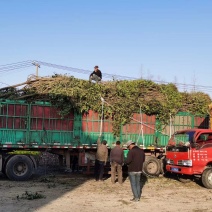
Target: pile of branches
column 122, row 98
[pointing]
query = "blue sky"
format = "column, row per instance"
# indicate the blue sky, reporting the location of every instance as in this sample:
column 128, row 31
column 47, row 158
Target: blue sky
column 169, row 40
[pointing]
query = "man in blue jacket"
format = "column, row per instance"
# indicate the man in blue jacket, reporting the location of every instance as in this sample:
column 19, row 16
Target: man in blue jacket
column 135, row 160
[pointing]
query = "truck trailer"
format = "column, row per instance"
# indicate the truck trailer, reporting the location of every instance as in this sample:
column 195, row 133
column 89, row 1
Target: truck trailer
column 30, row 128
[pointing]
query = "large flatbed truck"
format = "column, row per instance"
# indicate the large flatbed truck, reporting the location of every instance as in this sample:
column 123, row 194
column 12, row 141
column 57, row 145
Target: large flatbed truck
column 30, row 128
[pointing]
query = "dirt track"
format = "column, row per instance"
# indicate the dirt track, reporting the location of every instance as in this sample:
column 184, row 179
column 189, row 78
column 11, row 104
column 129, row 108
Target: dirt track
column 77, row 192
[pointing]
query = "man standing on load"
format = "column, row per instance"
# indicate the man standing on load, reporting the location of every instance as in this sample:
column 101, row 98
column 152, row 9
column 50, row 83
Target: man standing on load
column 101, row 159
column 96, row 75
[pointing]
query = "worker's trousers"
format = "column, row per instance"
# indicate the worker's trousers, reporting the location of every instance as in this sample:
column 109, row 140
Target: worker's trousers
column 115, row 167
column 99, row 170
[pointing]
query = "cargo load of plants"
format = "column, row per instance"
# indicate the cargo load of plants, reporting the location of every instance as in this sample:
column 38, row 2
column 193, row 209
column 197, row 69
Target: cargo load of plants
column 121, row 98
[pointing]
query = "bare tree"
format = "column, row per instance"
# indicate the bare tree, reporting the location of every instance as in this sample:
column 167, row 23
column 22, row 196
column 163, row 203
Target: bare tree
column 194, row 82
column 175, row 80
column 149, row 75
column 141, row 72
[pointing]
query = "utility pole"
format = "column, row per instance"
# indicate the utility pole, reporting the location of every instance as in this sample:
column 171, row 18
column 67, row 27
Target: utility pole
column 37, row 66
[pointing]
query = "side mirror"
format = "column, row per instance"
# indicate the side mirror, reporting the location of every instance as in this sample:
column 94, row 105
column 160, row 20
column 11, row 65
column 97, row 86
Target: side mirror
column 197, row 146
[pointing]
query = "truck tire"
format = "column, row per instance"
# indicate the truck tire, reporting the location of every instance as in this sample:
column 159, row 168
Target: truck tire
column 207, row 178
column 152, row 167
column 19, row 168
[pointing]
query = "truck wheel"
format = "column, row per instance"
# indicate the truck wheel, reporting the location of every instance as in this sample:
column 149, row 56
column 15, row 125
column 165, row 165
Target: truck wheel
column 152, row 167
column 207, row 178
column 19, row 167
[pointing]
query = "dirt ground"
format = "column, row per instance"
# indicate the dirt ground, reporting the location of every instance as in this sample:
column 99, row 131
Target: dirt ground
column 65, row 191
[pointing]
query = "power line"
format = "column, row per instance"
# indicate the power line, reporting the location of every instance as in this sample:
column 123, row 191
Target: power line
column 26, row 61
column 29, row 63
column 77, row 70
column 120, row 77
column 14, row 66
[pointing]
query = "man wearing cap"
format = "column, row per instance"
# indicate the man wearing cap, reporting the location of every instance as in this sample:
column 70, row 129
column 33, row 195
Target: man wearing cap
column 101, row 159
column 96, row 75
column 135, row 160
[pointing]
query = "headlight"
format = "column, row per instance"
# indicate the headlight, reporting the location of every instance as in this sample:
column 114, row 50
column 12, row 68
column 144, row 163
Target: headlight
column 169, row 161
column 185, row 162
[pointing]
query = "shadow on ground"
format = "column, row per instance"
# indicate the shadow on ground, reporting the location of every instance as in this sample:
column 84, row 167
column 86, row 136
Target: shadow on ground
column 39, row 188
column 183, row 179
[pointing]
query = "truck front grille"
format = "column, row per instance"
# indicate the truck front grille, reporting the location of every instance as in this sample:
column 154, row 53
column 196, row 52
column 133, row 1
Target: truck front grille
column 180, row 162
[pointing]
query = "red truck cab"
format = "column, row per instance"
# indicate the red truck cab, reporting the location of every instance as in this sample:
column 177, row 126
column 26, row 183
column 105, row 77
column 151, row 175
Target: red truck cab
column 189, row 154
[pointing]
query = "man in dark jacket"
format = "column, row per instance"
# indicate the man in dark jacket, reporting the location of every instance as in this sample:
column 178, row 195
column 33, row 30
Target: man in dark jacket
column 96, row 75
column 135, row 160
column 116, row 161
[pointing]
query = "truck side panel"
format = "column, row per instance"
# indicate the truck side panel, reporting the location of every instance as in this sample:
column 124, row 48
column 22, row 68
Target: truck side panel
column 39, row 125
column 13, row 123
column 47, row 127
